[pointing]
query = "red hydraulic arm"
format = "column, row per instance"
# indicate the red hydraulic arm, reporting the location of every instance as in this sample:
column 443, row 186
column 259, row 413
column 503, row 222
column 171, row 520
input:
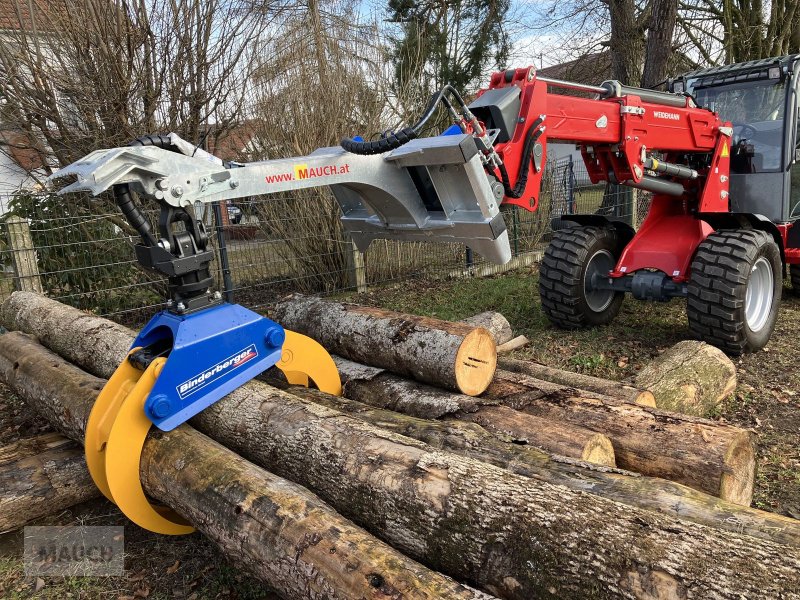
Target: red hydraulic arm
column 650, row 140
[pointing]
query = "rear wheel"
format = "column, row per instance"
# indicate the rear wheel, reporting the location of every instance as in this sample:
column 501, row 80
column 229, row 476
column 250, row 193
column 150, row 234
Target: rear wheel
column 735, row 289
column 575, row 257
column 794, row 273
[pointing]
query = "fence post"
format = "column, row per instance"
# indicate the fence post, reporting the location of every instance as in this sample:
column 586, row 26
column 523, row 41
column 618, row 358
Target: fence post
column 23, row 256
column 357, row 272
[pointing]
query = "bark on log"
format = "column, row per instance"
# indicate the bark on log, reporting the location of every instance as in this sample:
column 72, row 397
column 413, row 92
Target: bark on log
column 579, row 381
column 455, row 356
column 77, row 336
column 470, row 517
column 281, row 532
column 712, row 457
column 692, row 378
column 620, row 486
column 495, row 323
column 383, row 389
column 40, row 476
column 720, row 459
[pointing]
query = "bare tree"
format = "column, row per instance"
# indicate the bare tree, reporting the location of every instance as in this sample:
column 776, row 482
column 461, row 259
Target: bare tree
column 83, row 74
column 320, row 78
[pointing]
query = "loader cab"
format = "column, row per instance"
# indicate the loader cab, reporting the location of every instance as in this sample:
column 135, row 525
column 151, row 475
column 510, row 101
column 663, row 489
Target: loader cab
column 760, row 99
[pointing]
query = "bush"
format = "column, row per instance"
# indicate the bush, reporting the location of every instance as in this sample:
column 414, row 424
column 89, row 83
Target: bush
column 85, row 254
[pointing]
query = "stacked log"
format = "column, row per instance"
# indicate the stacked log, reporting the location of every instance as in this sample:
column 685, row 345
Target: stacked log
column 513, row 536
column 40, row 476
column 278, row 530
column 712, row 457
column 508, row 518
column 456, row 356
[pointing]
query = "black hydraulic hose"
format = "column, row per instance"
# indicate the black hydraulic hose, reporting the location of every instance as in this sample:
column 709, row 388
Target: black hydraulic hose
column 124, row 198
column 518, row 190
column 405, row 135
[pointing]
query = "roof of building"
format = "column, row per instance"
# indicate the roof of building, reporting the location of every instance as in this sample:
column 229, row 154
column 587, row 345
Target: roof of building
column 22, row 14
column 591, row 69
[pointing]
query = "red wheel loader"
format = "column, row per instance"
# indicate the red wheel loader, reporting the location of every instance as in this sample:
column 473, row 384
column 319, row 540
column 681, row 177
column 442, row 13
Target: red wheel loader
column 719, row 155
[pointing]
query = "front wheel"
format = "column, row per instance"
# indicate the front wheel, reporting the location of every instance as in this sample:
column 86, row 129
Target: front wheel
column 735, row 289
column 575, row 258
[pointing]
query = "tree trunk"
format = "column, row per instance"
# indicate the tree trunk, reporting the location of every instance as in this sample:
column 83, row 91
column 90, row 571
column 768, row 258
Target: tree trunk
column 624, row 487
column 579, row 381
column 555, row 437
column 78, row 336
column 494, row 322
column 463, row 516
column 455, row 356
column 712, row 457
column 720, row 460
column 279, row 531
column 659, row 41
column 40, row 476
column 626, row 43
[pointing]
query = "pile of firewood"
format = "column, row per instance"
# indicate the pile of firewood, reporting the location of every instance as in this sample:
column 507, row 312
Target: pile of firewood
column 520, row 481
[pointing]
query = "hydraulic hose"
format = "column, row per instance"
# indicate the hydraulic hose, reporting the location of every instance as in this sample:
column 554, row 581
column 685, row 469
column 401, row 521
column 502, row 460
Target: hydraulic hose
column 396, row 139
column 124, row 198
column 531, row 136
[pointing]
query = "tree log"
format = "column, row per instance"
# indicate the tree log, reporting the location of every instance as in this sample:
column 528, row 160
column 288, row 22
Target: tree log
column 40, row 476
column 606, row 387
column 495, row 323
column 455, row 356
column 518, row 536
column 692, row 378
column 625, row 487
column 380, row 388
column 720, row 460
column 279, row 531
column 712, row 457
column 78, row 336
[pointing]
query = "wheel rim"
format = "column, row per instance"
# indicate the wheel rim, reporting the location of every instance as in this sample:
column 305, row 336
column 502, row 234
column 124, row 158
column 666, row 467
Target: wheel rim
column 760, row 290
column 599, row 264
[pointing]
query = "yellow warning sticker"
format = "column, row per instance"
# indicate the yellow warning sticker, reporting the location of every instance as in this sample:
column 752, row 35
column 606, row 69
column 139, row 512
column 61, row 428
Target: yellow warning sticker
column 725, row 152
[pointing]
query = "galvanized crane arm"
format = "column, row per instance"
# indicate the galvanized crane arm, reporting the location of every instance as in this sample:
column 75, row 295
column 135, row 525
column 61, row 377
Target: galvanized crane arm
column 431, row 189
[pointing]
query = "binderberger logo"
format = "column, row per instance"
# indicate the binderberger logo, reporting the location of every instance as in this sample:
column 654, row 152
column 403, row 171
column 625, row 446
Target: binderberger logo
column 303, row 171
column 222, row 368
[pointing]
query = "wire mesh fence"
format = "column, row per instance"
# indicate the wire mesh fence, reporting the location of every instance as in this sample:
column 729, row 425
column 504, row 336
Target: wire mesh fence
column 80, row 250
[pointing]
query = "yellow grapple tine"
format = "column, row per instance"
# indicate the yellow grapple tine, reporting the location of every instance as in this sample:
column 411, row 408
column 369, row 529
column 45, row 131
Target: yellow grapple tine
column 123, row 450
column 102, row 416
column 303, row 359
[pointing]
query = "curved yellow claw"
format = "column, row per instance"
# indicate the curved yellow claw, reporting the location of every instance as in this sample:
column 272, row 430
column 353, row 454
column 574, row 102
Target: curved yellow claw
column 115, row 434
column 303, row 359
column 118, row 427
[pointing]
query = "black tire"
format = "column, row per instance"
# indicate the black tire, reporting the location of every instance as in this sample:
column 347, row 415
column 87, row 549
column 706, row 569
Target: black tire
column 794, row 274
column 562, row 277
column 717, row 303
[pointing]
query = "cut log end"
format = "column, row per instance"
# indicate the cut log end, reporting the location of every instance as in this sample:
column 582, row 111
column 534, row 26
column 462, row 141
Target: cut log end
column 645, row 398
column 738, row 479
column 600, row 451
column 476, row 362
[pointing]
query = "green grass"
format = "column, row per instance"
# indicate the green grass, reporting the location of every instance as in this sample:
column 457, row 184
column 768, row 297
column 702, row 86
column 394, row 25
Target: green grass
column 640, row 332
